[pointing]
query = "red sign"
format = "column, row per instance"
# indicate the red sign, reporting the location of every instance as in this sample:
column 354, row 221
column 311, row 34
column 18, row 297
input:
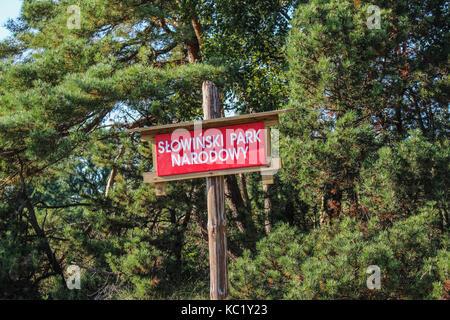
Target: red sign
column 211, row 149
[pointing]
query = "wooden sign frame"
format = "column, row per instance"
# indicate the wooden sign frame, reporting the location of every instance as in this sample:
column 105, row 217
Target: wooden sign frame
column 270, row 118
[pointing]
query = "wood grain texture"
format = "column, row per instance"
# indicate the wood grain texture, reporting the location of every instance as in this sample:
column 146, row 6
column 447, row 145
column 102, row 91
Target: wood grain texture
column 160, row 189
column 152, row 177
column 215, row 190
column 267, row 179
column 217, row 238
column 271, row 167
column 154, row 154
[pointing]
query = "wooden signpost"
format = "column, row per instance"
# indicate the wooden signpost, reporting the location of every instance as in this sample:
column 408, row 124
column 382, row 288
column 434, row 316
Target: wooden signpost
column 211, row 149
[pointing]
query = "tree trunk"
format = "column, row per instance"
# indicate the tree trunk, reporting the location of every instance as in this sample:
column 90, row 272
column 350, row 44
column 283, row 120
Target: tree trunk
column 238, row 207
column 193, row 45
column 233, row 207
column 331, row 204
column 38, row 230
column 113, row 173
column 267, row 209
column 243, row 186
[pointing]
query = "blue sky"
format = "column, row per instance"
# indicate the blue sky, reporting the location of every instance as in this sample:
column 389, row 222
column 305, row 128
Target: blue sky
column 8, row 9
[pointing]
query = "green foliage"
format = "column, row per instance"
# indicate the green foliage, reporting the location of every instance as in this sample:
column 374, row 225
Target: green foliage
column 405, row 176
column 329, row 165
column 365, row 154
column 331, row 263
column 357, row 89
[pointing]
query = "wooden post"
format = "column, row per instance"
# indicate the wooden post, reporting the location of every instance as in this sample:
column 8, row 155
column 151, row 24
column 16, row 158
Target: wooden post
column 160, row 188
column 215, row 189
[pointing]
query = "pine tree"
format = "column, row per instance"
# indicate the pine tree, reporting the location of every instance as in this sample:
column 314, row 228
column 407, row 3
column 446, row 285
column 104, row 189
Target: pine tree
column 366, row 154
column 357, row 88
column 69, row 90
column 332, row 263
